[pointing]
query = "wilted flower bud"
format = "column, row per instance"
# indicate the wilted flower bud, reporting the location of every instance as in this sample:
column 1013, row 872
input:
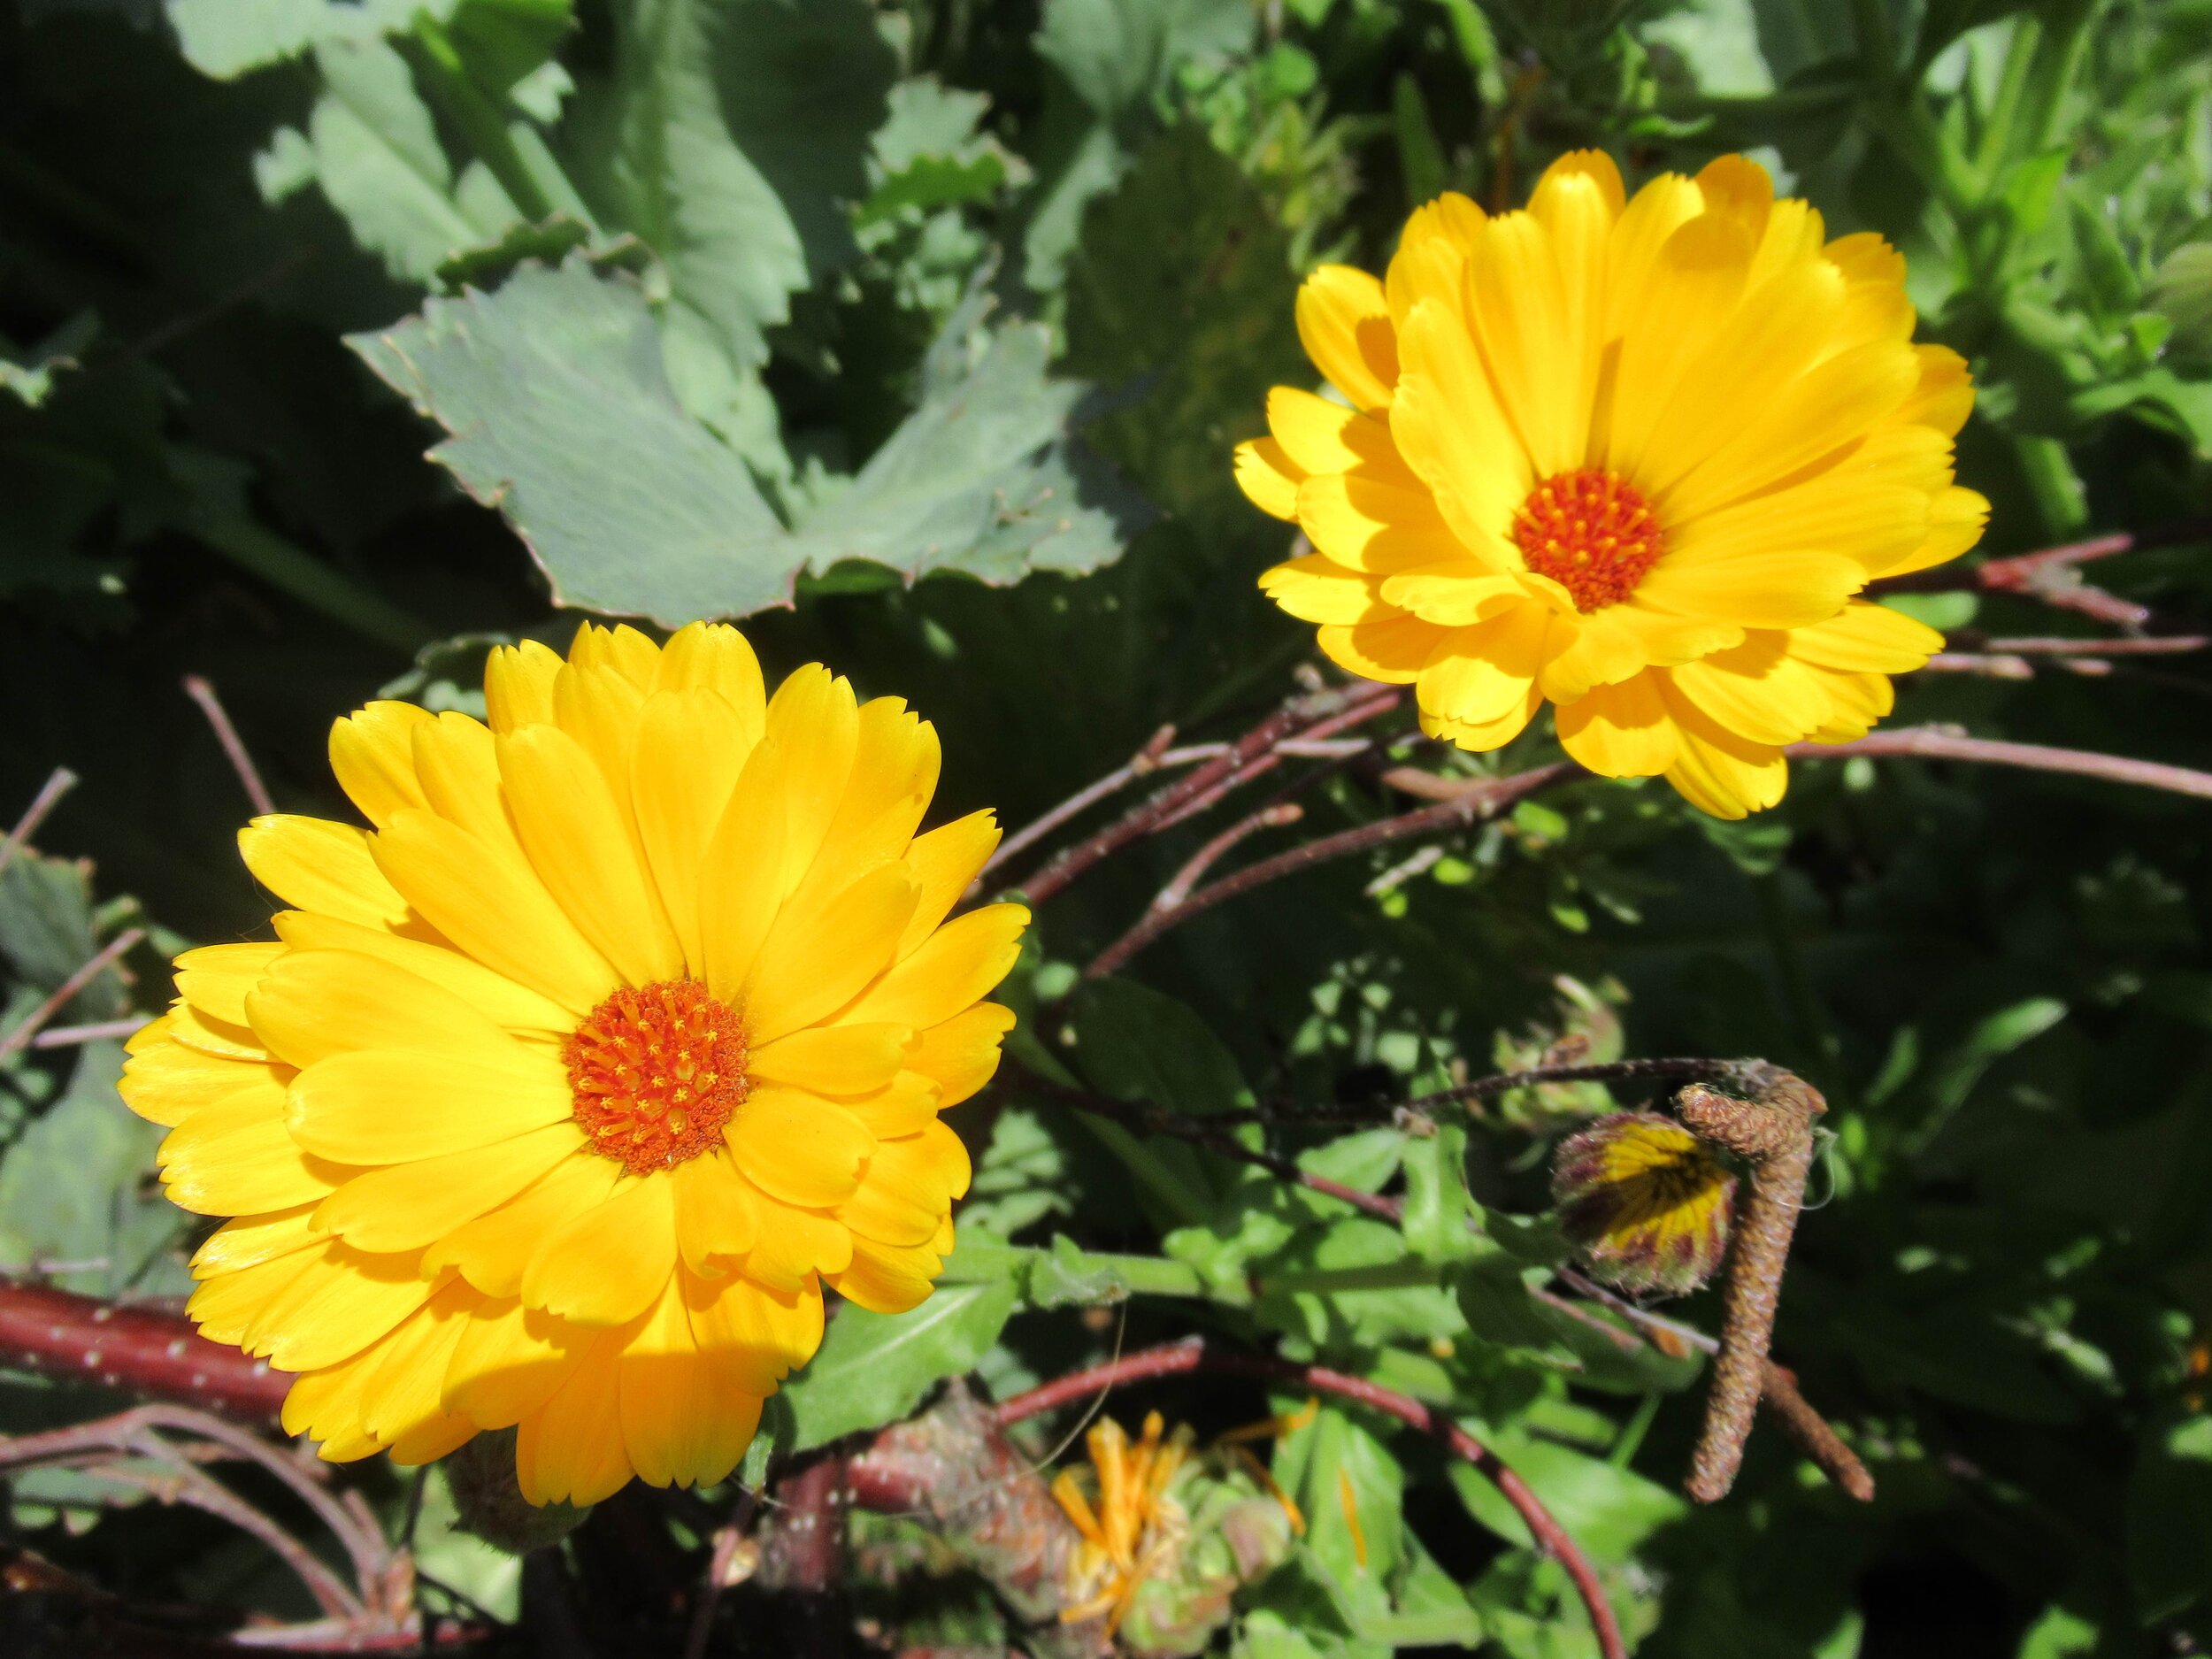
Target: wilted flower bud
column 488, row 1497
column 1645, row 1201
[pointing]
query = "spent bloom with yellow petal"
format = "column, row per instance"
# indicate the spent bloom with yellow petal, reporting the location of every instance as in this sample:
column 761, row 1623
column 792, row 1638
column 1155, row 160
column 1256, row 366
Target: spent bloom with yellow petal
column 1633, row 458
column 1645, row 1203
column 564, row 1089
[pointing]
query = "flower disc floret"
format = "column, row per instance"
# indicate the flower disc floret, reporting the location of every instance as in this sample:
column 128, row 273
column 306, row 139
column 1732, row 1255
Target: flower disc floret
column 1591, row 532
column 656, row 1074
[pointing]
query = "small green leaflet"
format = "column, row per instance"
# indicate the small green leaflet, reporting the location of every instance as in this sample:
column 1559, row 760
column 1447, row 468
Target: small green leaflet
column 875, row 1367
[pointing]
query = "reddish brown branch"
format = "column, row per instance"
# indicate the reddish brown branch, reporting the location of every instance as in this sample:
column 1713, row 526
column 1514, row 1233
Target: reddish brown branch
column 58, row 783
column 67, row 991
column 1929, row 743
column 2054, row 574
column 1195, row 1354
column 1156, row 756
column 1482, row 801
column 203, row 692
column 141, row 1350
column 1236, row 763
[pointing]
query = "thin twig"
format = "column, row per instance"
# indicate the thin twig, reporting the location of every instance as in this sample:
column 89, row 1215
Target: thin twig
column 198, row 688
column 58, row 783
column 1280, row 816
column 1156, row 756
column 1195, row 1354
column 1206, row 1133
column 1930, row 742
column 1678, row 1070
column 1487, row 800
column 2053, row 575
column 68, row 988
column 2151, row 645
column 104, row 1030
column 1237, row 761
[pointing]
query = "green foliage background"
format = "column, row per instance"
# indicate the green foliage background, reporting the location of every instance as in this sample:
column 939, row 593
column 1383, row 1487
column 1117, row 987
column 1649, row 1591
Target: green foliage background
column 925, row 330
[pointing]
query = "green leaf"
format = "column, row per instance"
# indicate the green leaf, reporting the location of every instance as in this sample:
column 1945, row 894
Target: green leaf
column 1135, row 1044
column 72, row 1190
column 1439, row 1209
column 48, row 932
column 2169, row 1516
column 1610, row 1511
column 226, row 38
column 736, row 132
column 563, row 418
column 874, row 1368
column 1352, row 1491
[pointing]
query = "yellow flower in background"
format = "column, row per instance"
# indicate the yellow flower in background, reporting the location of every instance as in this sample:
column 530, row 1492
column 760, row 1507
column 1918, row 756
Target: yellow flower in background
column 563, row 1091
column 1632, row 458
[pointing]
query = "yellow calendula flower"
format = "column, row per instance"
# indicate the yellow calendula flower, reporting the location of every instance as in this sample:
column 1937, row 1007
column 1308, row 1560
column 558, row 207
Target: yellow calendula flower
column 563, row 1091
column 1632, row 458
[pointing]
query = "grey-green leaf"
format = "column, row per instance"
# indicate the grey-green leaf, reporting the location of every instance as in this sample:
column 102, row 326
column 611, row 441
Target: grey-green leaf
column 874, row 1368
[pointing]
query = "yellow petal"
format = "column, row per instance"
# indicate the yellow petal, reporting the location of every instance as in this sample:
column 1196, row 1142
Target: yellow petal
column 1344, row 323
column 325, row 1406
column 314, row 1003
column 384, row 1106
column 755, row 1336
column 1576, row 201
column 905, row 1106
column 1430, row 263
column 249, row 1240
column 217, row 979
column 189, row 1025
column 740, row 879
column 691, row 745
column 571, row 1449
column 574, row 834
column 795, row 1245
column 399, row 1396
column 1651, row 216
column 1268, row 477
column 239, row 1159
column 226, row 1303
column 961, row 1054
column 896, row 761
column 1837, row 402
column 799, row 1148
column 625, row 651
column 1477, row 674
column 1482, row 736
column 1738, row 189
column 944, row 863
column 458, row 760
column 714, row 657
column 1392, row 650
column 508, row 1361
column 1454, row 431
column 1593, row 169
column 1322, row 436
column 834, row 1059
column 1945, row 395
column 343, row 1300
column 494, row 907
column 958, row 964
column 818, row 956
column 1373, row 524
column 1455, row 595
column 1537, row 350
column 716, row 1218
column 1619, row 731
column 373, row 754
column 518, row 684
column 410, row 1205
column 606, row 1265
column 598, row 705
column 507, row 1005
column 1955, row 521
column 909, row 1188
column 1864, row 638
column 167, row 1082
column 889, row 1278
column 1757, row 690
column 1778, row 590
column 815, row 721
column 1693, row 283
column 492, row 1253
column 323, row 867
column 681, row 1426
column 1316, row 589
column 1714, row 770
column 1729, row 386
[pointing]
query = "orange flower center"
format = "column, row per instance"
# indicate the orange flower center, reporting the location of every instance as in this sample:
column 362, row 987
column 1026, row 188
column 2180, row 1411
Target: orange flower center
column 1591, row 532
column 656, row 1073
